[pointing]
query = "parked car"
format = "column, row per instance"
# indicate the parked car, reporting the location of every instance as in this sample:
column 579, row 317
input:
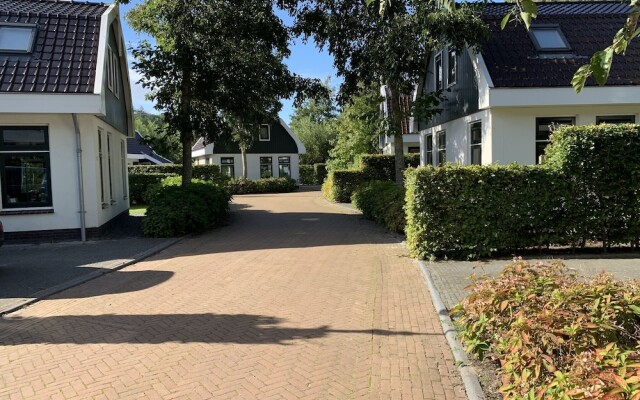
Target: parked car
column 1, row 234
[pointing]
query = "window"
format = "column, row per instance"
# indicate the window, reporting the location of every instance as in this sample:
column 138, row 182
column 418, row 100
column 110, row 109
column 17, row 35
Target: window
column 266, row 169
column 25, row 169
column 616, row 119
column 413, row 149
column 123, row 164
column 548, row 38
column 544, row 127
column 114, row 73
column 265, row 133
column 110, row 169
column 428, row 141
column 475, row 133
column 101, row 163
column 227, row 166
column 452, row 67
column 442, row 147
column 438, row 72
column 17, row 38
column 110, row 66
column 284, row 167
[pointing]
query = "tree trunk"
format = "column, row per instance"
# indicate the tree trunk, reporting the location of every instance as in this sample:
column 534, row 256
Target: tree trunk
column 243, row 153
column 186, row 131
column 187, row 164
column 395, row 125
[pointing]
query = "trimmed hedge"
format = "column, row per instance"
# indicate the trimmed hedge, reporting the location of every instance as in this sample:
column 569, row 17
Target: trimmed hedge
column 319, row 173
column 307, row 175
column 140, row 183
column 381, row 167
column 382, row 202
column 475, row 211
column 264, row 185
column 340, row 184
column 174, row 210
column 210, row 172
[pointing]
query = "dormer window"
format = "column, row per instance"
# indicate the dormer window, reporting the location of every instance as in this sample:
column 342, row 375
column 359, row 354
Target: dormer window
column 17, row 38
column 548, row 38
column 265, row 133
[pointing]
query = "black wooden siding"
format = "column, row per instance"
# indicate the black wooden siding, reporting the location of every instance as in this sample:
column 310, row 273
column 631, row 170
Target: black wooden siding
column 116, row 108
column 462, row 97
column 281, row 143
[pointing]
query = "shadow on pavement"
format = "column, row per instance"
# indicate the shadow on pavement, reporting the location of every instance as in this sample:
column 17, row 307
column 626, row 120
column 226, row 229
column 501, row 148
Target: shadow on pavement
column 155, row 329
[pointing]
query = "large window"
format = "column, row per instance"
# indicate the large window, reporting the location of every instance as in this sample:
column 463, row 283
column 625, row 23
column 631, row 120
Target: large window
column 548, row 38
column 265, row 133
column 475, row 136
column 25, row 170
column 442, row 147
column 544, row 127
column 438, row 72
column 17, row 38
column 616, row 119
column 284, row 167
column 428, row 143
column 452, row 67
column 227, row 166
column 266, row 167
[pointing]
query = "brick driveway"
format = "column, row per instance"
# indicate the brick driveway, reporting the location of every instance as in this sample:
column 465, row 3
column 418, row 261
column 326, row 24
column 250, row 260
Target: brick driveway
column 295, row 299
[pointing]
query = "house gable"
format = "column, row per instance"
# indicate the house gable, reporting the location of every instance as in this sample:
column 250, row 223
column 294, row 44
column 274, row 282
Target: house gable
column 281, row 141
column 113, row 83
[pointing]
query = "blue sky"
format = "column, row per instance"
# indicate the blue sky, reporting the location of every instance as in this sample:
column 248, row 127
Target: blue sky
column 305, row 60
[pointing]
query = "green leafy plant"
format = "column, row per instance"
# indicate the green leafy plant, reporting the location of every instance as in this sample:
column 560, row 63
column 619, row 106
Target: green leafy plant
column 140, row 183
column 263, row 185
column 382, row 202
column 307, row 175
column 340, row 184
column 555, row 335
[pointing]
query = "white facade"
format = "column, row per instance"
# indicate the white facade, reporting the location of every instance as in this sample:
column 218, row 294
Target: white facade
column 410, row 142
column 253, row 164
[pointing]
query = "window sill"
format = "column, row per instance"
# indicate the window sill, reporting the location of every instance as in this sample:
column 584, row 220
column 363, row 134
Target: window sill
column 26, row 212
column 105, row 206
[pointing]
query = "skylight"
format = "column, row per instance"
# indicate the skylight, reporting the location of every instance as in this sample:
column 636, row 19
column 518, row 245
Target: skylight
column 17, row 38
column 549, row 38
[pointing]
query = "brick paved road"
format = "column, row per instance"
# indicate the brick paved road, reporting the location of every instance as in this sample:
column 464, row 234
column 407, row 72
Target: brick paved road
column 295, row 299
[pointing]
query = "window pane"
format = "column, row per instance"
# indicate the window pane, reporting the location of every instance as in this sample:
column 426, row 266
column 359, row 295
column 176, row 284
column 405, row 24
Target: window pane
column 476, row 133
column 429, row 143
column 30, row 138
column 429, row 160
column 265, row 171
column 452, row 67
column 227, row 170
column 264, row 132
column 413, row 149
column 544, row 126
column 284, row 160
column 265, row 160
column 442, row 157
column 26, row 180
column 442, row 139
column 476, row 155
column 548, row 38
column 438, row 72
column 284, row 171
column 227, row 160
column 14, row 38
column 540, row 146
column 619, row 119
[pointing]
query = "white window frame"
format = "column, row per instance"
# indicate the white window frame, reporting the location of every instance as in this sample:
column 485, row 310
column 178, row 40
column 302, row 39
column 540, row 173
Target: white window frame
column 439, row 148
column 109, row 68
column 428, row 143
column 451, row 82
column 268, row 139
column 32, row 38
column 438, row 72
column 114, row 66
column 473, row 145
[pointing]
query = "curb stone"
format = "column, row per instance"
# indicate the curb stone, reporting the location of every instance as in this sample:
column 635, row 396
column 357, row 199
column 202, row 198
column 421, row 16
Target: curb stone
column 15, row 306
column 468, row 373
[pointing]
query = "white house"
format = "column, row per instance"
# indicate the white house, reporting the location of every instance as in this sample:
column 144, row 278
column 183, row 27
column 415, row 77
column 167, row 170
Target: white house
column 65, row 115
column 275, row 153
column 502, row 102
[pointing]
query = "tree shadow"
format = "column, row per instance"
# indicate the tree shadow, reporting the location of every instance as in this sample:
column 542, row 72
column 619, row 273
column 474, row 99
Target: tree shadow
column 159, row 328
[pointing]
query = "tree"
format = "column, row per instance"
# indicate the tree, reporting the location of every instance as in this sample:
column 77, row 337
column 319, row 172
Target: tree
column 313, row 122
column 153, row 131
column 210, row 59
column 385, row 44
column 358, row 128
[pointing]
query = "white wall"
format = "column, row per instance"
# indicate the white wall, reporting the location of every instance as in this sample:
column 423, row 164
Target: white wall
column 253, row 164
column 408, row 140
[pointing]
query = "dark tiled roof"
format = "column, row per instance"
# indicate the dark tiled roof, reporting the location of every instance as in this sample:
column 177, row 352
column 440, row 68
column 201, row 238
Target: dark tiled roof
column 65, row 52
column 513, row 61
column 135, row 145
column 199, row 145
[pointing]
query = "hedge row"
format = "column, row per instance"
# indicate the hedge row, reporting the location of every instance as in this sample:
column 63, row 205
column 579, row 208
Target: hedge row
column 264, row 185
column 313, row 174
column 340, row 184
column 382, row 202
column 139, row 183
column 586, row 191
column 209, row 173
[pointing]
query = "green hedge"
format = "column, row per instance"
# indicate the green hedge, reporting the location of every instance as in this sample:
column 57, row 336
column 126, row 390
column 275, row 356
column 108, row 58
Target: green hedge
column 340, row 184
column 307, row 175
column 319, row 173
column 382, row 202
column 264, row 185
column 602, row 165
column 475, row 211
column 140, row 183
column 174, row 210
column 210, row 173
column 381, row 167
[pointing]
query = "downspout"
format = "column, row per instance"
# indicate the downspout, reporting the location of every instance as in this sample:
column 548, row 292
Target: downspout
column 83, row 224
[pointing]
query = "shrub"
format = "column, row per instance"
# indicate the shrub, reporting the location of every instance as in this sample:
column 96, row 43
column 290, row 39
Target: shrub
column 602, row 166
column 307, row 176
column 381, row 167
column 139, row 183
column 210, row 173
column 319, row 173
column 382, row 202
column 174, row 210
column 340, row 184
column 264, row 185
column 475, row 211
column 555, row 336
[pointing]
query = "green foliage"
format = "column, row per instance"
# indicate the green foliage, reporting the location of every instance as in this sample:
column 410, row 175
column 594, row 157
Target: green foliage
column 320, row 173
column 210, row 173
column 602, row 167
column 175, row 210
column 358, row 128
column 139, row 183
column 382, row 202
column 154, row 133
column 264, row 185
column 475, row 211
column 307, row 175
column 340, row 184
column 555, row 335
column 382, row 166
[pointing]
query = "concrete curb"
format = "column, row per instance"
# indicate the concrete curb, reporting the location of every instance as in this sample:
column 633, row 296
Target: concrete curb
column 15, row 306
column 468, row 373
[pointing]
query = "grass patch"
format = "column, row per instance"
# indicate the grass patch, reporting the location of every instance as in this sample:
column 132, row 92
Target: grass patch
column 138, row 209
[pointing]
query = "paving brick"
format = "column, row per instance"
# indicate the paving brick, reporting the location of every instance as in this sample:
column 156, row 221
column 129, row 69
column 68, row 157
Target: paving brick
column 296, row 298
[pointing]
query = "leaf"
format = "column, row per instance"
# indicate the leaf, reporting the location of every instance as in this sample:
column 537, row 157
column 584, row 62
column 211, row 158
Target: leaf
column 601, row 65
column 530, row 7
column 505, row 21
column 635, row 309
column 526, row 18
column 580, row 78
